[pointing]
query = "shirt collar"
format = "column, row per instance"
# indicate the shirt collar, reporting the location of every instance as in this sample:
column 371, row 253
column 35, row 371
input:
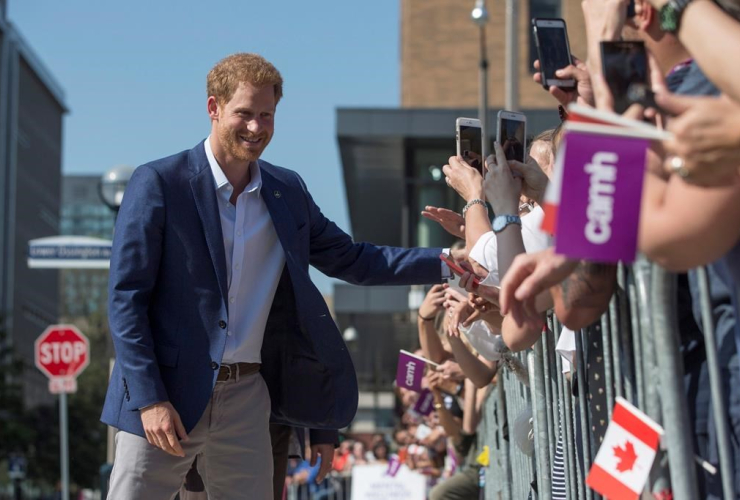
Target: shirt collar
column 255, row 183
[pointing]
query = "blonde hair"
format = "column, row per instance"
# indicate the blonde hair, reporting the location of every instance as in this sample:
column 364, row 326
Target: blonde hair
column 231, row 71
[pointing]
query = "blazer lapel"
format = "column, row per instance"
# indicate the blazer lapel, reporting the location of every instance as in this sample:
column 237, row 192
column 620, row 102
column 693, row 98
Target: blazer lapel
column 274, row 194
column 204, row 192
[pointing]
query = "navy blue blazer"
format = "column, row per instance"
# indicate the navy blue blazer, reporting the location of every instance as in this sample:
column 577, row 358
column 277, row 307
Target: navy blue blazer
column 168, row 291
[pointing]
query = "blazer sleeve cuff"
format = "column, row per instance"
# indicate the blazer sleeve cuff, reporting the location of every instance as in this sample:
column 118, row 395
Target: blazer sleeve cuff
column 318, row 436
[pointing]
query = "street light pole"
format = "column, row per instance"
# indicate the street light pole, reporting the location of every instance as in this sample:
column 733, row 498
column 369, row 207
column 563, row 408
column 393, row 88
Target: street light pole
column 480, row 18
column 111, row 189
column 512, row 56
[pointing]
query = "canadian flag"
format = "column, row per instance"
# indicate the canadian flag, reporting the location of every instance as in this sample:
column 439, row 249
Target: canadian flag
column 626, row 456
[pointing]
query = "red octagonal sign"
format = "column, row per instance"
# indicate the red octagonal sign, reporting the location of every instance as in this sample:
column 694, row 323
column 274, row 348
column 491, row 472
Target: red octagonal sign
column 62, row 351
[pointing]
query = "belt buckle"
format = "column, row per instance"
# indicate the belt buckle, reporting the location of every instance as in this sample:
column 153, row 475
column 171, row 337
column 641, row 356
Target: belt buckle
column 228, row 367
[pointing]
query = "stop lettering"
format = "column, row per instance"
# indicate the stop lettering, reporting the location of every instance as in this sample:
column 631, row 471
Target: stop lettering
column 62, row 351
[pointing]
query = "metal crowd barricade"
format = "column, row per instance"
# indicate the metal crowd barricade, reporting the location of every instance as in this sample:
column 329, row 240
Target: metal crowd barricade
column 642, row 362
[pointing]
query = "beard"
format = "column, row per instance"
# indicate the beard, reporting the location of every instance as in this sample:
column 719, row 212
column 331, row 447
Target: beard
column 234, row 146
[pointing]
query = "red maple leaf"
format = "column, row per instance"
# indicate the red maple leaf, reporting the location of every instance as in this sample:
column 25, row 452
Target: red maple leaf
column 626, row 455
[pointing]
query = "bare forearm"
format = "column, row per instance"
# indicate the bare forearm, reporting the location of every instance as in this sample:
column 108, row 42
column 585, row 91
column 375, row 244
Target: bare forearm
column 471, row 413
column 451, row 426
column 431, row 345
column 509, row 245
column 475, row 370
column 700, row 18
column 584, row 296
column 476, row 224
column 684, row 226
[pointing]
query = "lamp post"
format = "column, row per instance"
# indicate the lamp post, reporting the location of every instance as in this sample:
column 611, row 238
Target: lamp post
column 111, row 188
column 479, row 15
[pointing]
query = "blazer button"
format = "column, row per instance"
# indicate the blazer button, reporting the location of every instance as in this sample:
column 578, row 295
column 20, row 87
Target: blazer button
column 214, row 365
column 222, row 324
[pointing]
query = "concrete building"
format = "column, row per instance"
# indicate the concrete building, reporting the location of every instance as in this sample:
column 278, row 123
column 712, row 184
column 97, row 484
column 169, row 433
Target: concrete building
column 392, row 159
column 31, row 111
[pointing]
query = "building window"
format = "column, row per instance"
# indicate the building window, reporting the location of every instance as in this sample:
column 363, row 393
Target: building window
column 540, row 9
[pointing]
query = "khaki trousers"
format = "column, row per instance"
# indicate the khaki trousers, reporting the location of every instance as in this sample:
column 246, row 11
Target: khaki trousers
column 232, row 441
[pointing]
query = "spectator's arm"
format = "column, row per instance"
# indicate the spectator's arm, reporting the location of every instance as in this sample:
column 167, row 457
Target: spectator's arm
column 684, row 226
column 431, row 345
column 449, row 423
column 479, row 371
column 700, row 18
column 471, row 411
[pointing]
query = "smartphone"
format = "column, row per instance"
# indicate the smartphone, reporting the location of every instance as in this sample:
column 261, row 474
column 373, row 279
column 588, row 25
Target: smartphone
column 553, row 50
column 469, row 143
column 511, row 133
column 624, row 65
column 457, row 269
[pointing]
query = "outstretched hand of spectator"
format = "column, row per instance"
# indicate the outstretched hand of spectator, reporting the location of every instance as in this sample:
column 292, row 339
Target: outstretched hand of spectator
column 530, row 274
column 582, row 93
column 452, row 222
column 706, row 139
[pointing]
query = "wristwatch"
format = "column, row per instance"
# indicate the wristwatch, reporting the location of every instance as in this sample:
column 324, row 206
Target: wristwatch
column 501, row 221
column 670, row 15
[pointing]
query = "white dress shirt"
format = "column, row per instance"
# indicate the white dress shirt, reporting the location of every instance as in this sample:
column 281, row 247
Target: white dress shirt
column 485, row 250
column 254, row 262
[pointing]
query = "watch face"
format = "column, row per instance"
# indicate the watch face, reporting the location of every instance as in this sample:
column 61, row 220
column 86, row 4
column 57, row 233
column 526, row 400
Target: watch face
column 499, row 223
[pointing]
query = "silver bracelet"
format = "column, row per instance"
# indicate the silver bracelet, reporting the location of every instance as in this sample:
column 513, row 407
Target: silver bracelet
column 476, row 201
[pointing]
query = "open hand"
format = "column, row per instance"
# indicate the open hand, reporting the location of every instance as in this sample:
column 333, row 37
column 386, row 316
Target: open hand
column 706, row 138
column 452, row 222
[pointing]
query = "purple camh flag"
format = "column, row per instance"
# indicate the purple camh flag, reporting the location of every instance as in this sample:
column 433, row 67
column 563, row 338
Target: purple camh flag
column 425, row 402
column 599, row 210
column 394, row 465
column 409, row 373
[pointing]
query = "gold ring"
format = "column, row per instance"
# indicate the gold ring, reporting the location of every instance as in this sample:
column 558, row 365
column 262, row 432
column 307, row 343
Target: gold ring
column 678, row 167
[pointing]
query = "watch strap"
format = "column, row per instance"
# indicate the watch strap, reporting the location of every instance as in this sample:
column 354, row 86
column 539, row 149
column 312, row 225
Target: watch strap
column 501, row 222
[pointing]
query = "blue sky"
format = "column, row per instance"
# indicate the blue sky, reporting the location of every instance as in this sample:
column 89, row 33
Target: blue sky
column 134, row 73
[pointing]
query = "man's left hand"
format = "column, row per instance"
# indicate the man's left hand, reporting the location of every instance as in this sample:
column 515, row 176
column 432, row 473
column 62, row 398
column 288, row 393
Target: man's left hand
column 326, row 452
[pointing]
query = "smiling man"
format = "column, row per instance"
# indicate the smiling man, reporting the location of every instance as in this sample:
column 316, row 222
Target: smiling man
column 217, row 327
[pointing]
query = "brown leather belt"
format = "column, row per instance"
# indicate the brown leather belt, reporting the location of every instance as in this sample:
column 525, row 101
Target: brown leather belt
column 236, row 370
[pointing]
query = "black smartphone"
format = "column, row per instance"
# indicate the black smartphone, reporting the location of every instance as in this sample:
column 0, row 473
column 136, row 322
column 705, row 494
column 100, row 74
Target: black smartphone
column 625, row 68
column 553, row 51
column 511, row 133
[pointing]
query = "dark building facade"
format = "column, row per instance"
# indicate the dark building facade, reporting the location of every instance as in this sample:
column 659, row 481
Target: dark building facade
column 31, row 112
column 84, row 291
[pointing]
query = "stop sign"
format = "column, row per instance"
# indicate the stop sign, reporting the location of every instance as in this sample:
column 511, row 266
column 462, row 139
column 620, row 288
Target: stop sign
column 62, row 351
